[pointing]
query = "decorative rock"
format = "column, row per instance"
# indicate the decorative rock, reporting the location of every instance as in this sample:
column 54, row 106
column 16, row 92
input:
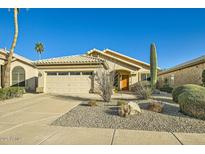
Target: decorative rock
column 134, row 108
column 124, row 110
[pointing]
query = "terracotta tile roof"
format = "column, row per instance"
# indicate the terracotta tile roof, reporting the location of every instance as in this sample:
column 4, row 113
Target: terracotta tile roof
column 75, row 59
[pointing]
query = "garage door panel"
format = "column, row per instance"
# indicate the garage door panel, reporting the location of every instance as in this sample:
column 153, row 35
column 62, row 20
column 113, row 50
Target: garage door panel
column 68, row 84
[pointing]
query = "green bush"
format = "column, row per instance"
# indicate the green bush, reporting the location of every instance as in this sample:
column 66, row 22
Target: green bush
column 166, row 88
column 179, row 90
column 11, row 92
column 192, row 103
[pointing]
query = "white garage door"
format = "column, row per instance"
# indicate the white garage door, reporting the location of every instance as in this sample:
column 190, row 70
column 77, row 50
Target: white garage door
column 68, row 82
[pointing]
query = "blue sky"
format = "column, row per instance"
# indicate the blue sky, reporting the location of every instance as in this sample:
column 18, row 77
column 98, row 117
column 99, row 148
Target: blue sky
column 179, row 34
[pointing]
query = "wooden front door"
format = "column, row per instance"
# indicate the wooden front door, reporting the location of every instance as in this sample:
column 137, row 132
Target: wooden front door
column 124, row 83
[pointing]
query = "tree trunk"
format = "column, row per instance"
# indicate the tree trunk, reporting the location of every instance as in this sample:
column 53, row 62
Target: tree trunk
column 39, row 56
column 6, row 77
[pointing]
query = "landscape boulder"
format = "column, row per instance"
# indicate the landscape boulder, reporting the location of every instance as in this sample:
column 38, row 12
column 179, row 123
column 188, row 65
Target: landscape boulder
column 134, row 108
column 124, row 110
column 131, row 108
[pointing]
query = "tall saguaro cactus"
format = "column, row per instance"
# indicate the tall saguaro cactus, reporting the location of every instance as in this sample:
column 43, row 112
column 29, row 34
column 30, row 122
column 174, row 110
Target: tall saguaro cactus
column 153, row 65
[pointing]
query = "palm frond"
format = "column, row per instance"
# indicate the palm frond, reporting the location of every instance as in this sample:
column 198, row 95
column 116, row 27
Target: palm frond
column 39, row 47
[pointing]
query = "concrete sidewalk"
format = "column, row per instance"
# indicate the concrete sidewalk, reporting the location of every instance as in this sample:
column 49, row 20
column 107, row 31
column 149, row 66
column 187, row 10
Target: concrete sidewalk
column 50, row 135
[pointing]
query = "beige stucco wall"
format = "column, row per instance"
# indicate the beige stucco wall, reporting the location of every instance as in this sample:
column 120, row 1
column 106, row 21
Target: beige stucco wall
column 31, row 74
column 189, row 75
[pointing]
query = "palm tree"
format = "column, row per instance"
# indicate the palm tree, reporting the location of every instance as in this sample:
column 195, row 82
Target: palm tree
column 39, row 47
column 6, row 75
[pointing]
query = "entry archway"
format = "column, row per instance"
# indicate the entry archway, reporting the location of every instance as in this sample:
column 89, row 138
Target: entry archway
column 121, row 79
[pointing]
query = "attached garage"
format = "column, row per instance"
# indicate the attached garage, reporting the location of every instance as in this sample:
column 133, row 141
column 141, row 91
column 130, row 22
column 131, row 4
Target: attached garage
column 68, row 75
column 68, row 82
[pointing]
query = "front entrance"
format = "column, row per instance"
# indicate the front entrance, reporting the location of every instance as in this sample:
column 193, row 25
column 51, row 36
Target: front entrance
column 124, row 82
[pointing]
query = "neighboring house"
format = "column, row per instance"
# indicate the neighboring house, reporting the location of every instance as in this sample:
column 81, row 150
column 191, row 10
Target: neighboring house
column 75, row 74
column 189, row 72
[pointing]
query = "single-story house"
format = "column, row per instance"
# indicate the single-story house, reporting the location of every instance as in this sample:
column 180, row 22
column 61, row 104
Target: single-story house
column 75, row 74
column 189, row 72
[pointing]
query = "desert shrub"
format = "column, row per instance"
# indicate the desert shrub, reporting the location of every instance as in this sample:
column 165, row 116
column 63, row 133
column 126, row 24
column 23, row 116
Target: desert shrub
column 105, row 81
column 121, row 102
column 192, row 103
column 92, row 103
column 179, row 90
column 11, row 92
column 156, row 106
column 115, row 90
column 143, row 90
column 166, row 88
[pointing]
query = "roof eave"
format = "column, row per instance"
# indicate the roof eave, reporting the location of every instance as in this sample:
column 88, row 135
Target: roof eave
column 126, row 56
column 181, row 67
column 45, row 64
column 102, row 53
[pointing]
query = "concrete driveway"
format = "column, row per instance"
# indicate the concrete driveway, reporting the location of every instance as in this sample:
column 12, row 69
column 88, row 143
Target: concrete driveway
column 27, row 120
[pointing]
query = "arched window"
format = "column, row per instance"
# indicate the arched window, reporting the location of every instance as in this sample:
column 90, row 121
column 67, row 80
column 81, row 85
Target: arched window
column 18, row 76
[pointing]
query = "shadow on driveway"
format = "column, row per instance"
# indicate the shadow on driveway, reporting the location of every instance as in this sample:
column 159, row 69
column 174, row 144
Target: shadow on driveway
column 75, row 98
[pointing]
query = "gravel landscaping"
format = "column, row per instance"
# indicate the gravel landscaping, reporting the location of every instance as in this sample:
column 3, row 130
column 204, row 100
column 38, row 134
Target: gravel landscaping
column 105, row 115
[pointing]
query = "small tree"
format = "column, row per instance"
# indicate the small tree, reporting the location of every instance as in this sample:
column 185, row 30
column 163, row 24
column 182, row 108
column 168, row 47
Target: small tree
column 153, row 65
column 203, row 78
column 105, row 81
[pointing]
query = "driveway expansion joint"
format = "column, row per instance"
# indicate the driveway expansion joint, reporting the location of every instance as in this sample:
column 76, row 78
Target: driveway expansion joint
column 113, row 135
column 25, row 123
column 51, row 135
column 177, row 138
